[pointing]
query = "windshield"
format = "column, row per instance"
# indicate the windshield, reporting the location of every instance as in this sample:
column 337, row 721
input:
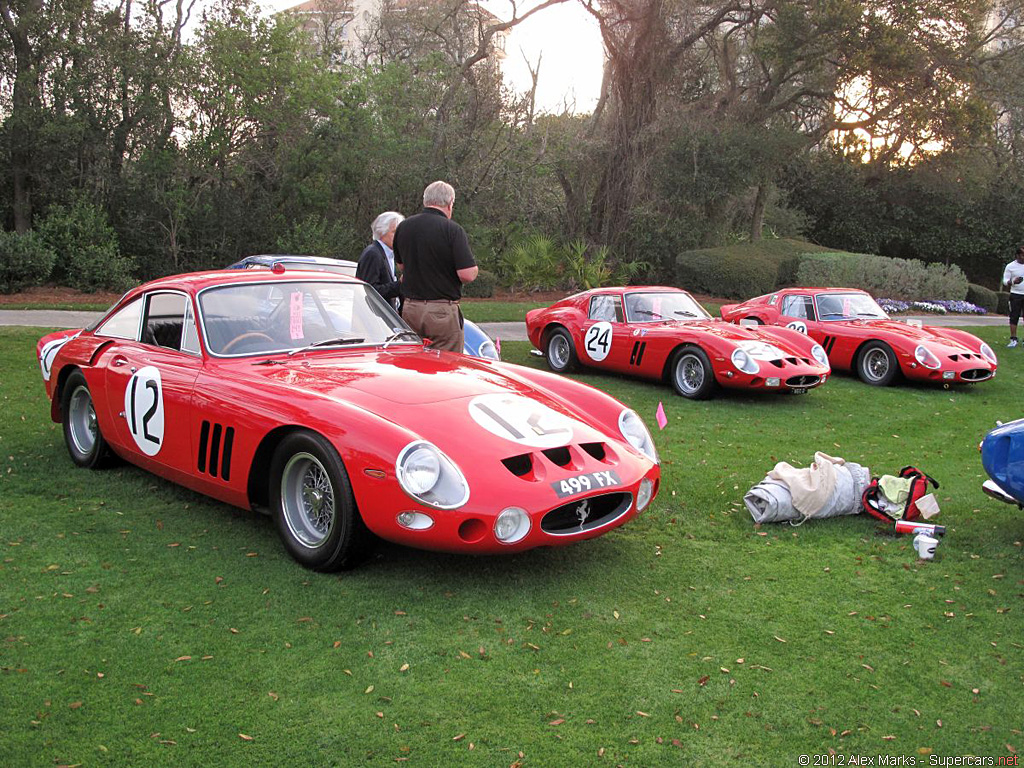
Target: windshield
column 272, row 317
column 848, row 306
column 657, row 306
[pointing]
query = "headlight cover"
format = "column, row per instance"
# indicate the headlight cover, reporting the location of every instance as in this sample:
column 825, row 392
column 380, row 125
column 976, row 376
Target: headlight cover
column 636, row 434
column 818, row 353
column 430, row 477
column 989, row 355
column 926, row 357
column 744, row 362
column 488, row 351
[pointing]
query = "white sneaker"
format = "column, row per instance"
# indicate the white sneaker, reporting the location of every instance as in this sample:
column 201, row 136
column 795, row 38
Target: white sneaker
column 1012, row 344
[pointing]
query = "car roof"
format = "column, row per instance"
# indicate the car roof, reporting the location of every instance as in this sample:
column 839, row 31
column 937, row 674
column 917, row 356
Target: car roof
column 193, row 282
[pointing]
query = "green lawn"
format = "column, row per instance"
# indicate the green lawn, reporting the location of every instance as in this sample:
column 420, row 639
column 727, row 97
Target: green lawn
column 142, row 624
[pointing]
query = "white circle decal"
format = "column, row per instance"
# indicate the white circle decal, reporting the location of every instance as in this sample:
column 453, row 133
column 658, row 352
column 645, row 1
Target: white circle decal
column 144, row 409
column 521, row 420
column 796, row 325
column 598, row 341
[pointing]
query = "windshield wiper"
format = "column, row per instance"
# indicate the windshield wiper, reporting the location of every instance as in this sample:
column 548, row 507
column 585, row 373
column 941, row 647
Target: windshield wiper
column 685, row 313
column 399, row 334
column 338, row 341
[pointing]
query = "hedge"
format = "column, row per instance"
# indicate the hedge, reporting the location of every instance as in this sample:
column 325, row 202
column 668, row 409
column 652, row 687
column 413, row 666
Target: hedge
column 984, row 297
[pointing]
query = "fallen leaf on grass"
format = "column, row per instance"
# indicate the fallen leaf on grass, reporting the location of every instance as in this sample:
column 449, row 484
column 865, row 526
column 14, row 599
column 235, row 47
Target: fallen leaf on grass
column 704, row 680
column 779, row 639
column 559, row 721
column 273, row 695
column 460, row 737
column 369, row 690
column 245, row 737
column 404, row 668
column 184, row 658
column 868, row 667
column 75, row 705
column 642, row 714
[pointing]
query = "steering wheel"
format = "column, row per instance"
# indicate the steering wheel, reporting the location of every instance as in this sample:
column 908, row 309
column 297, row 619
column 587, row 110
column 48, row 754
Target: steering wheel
column 248, row 336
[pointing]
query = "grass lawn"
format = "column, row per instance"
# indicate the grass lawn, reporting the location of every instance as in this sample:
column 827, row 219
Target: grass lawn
column 142, row 624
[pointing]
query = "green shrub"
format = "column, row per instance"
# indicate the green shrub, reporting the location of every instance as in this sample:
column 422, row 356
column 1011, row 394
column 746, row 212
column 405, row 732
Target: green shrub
column 314, row 236
column 25, row 260
column 533, row 264
column 729, row 275
column 909, row 279
column 88, row 257
column 481, row 288
column 983, row 297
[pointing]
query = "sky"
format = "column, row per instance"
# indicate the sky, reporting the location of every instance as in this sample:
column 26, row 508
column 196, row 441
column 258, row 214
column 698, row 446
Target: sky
column 568, row 42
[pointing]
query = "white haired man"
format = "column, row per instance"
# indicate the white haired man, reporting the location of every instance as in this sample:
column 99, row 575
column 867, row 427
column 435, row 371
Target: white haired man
column 436, row 260
column 377, row 261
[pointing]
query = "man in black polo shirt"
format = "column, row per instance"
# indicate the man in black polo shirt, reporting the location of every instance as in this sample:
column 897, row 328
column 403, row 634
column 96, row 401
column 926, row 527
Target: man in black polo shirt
column 435, row 255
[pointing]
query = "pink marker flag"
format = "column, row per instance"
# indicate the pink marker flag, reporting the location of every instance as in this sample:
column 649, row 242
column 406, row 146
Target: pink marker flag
column 497, row 345
column 660, row 416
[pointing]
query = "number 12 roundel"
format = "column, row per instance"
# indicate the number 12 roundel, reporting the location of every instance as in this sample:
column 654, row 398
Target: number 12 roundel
column 144, row 409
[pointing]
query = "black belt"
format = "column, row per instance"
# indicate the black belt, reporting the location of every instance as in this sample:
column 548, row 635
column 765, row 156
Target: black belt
column 432, row 301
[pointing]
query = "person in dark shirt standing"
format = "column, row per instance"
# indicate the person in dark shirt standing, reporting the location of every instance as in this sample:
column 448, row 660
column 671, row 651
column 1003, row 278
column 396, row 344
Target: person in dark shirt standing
column 436, row 259
column 377, row 262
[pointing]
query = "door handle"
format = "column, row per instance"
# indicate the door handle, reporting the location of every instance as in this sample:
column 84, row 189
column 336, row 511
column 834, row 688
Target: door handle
column 118, row 361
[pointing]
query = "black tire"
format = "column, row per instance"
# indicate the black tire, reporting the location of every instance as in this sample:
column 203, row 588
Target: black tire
column 691, row 374
column 876, row 364
column 313, row 504
column 560, row 352
column 85, row 442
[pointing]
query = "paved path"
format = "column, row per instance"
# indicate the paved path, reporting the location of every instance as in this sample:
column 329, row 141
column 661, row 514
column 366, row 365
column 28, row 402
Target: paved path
column 47, row 318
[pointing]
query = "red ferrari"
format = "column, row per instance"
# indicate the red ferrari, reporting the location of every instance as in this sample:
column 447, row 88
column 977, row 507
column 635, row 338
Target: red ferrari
column 664, row 334
column 859, row 336
column 304, row 395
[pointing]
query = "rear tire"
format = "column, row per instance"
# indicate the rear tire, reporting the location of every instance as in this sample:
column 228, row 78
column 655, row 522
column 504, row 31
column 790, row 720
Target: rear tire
column 560, row 352
column 85, row 442
column 876, row 364
column 691, row 373
column 313, row 504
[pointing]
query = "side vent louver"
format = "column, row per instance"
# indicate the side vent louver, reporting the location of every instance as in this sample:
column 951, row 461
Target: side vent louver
column 215, row 443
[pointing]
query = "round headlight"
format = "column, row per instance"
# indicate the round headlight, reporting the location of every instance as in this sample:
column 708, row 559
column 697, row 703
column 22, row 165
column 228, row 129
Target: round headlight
column 818, row 353
column 512, row 525
column 488, row 351
column 429, row 476
column 743, row 361
column 926, row 357
column 421, row 470
column 636, row 434
column 987, row 352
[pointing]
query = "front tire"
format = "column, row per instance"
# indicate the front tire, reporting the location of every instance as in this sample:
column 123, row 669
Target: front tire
column 876, row 364
column 560, row 352
column 314, row 507
column 85, row 442
column 691, row 374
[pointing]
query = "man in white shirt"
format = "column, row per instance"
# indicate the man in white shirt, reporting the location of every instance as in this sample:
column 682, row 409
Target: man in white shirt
column 1013, row 280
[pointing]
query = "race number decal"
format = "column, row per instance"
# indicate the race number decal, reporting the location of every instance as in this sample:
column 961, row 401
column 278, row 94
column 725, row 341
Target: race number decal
column 798, row 325
column 598, row 341
column 144, row 409
column 49, row 352
column 521, row 420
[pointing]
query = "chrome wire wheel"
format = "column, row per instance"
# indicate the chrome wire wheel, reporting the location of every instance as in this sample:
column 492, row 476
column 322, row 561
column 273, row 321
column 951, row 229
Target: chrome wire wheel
column 689, row 373
column 82, row 426
column 560, row 352
column 307, row 500
column 876, row 364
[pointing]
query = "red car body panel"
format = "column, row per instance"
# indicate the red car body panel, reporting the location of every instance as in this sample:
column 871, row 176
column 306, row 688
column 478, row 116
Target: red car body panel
column 959, row 352
column 222, row 416
column 645, row 349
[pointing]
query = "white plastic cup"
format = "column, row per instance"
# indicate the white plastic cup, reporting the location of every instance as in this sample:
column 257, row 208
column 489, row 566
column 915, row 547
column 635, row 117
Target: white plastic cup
column 925, row 546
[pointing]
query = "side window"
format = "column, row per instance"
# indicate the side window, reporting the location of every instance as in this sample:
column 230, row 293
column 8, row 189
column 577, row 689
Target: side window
column 123, row 324
column 607, row 308
column 798, row 306
column 190, row 336
column 165, row 320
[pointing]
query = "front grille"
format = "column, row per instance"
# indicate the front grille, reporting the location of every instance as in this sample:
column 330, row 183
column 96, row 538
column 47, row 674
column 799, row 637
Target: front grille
column 585, row 514
column 802, row 381
column 977, row 374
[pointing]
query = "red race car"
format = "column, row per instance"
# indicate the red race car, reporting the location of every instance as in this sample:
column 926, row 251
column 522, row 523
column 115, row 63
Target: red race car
column 303, row 394
column 859, row 336
column 664, row 334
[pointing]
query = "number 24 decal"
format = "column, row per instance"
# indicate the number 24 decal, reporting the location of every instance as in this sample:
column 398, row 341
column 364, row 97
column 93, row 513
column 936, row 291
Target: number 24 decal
column 598, row 341
column 144, row 409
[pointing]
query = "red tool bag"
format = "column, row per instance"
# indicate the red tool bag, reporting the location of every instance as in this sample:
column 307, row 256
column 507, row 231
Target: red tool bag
column 919, row 482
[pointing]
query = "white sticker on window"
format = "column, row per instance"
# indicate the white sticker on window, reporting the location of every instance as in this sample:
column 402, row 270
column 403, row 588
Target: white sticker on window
column 797, row 325
column 598, row 341
column 144, row 409
column 521, row 420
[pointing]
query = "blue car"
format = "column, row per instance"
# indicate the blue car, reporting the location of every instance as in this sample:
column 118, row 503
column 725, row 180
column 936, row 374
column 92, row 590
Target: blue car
column 476, row 342
column 1002, row 456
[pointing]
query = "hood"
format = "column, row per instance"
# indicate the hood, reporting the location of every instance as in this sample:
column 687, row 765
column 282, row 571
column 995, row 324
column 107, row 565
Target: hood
column 913, row 334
